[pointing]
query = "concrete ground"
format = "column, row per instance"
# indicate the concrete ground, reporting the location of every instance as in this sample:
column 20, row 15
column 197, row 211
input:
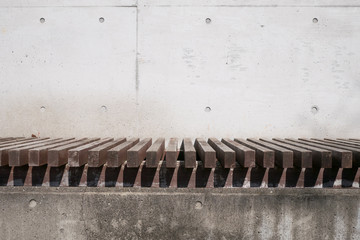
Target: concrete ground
column 147, row 213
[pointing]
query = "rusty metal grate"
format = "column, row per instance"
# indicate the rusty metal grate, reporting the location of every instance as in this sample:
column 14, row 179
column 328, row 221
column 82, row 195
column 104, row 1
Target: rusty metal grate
column 180, row 163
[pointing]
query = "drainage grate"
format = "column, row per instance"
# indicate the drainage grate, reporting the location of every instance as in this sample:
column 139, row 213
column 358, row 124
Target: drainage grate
column 180, row 163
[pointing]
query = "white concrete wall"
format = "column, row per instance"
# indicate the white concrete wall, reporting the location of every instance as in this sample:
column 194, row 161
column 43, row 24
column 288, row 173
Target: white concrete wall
column 153, row 67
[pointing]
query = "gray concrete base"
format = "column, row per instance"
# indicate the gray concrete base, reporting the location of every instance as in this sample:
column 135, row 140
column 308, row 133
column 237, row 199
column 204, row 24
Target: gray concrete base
column 130, row 213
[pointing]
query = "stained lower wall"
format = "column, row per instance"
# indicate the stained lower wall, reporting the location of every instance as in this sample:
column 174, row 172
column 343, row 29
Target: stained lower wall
column 132, row 213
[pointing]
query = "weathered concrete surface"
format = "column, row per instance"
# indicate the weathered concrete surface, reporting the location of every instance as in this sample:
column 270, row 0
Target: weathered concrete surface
column 94, row 213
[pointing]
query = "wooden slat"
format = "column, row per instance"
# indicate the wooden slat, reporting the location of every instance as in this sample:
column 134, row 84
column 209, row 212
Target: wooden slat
column 116, row 156
column 20, row 141
column 155, row 152
column 283, row 157
column 264, row 157
column 302, row 156
column 340, row 158
column 355, row 150
column 137, row 153
column 79, row 156
column 244, row 156
column 4, row 156
column 321, row 157
column 59, row 156
column 206, row 153
column 97, row 156
column 224, row 154
column 7, row 139
column 355, row 139
column 172, row 153
column 20, row 156
column 39, row 156
column 339, row 143
column 189, row 153
column 341, row 140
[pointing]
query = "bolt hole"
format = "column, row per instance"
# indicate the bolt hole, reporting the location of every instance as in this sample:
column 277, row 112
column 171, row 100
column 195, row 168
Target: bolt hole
column 208, row 20
column 207, row 109
column 101, row 20
column 32, row 203
column 314, row 109
column 198, row 205
column 315, row 20
column 42, row 20
column 42, row 109
column 104, row 108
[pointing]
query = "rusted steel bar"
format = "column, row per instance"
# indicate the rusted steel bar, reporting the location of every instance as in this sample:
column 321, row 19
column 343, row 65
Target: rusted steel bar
column 59, row 156
column 116, row 156
column 137, row 153
column 21, row 142
column 244, row 156
column 38, row 156
column 224, row 154
column 302, row 156
column 206, row 153
column 97, row 156
column 321, row 157
column 79, row 156
column 172, row 153
column 283, row 157
column 354, row 149
column 189, row 153
column 355, row 139
column 340, row 158
column 4, row 151
column 339, row 142
column 18, row 141
column 20, row 156
column 264, row 157
column 154, row 153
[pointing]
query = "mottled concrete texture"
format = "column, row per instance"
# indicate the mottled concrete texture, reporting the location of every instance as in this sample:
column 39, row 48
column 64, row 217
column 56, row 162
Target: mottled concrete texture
column 93, row 213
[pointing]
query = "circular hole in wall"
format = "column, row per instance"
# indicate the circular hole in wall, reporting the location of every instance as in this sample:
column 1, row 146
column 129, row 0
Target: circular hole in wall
column 104, row 108
column 208, row 20
column 207, row 109
column 314, row 109
column 32, row 203
column 42, row 20
column 315, row 20
column 42, row 109
column 198, row 205
column 101, row 19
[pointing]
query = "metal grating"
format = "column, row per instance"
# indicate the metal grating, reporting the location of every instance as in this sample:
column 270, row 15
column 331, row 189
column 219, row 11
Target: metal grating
column 180, row 163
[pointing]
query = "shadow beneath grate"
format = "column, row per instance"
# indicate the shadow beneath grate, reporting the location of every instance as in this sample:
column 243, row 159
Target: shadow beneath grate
column 165, row 175
column 293, row 177
column 348, row 176
column 75, row 174
column 129, row 176
column 202, row 176
column 93, row 176
column 111, row 176
column 257, row 176
column 239, row 176
column 38, row 175
column 275, row 175
column 56, row 174
column 310, row 177
column 4, row 175
column 183, row 176
column 19, row 175
column 147, row 176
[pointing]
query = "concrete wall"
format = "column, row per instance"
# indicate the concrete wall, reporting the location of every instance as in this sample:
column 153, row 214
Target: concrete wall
column 159, row 68
column 130, row 213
